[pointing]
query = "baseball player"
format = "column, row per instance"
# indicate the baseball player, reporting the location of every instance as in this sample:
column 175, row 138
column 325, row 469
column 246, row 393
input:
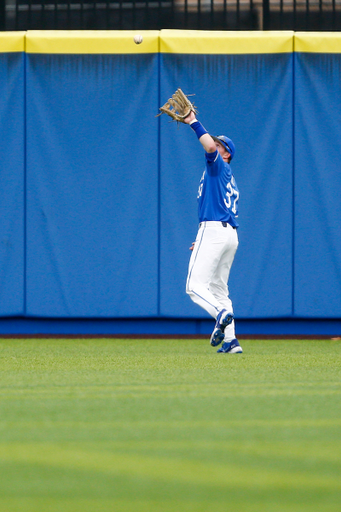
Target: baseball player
column 217, row 240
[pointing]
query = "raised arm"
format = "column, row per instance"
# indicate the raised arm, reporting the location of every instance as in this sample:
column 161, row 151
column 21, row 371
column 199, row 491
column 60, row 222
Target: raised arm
column 204, row 137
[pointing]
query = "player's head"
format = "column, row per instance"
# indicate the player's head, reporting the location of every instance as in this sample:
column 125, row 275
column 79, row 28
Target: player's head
column 226, row 143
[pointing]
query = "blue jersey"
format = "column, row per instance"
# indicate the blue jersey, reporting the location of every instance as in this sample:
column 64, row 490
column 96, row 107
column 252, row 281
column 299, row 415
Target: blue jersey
column 218, row 192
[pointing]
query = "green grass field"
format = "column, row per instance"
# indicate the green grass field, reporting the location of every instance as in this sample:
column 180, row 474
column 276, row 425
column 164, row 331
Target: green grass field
column 169, row 425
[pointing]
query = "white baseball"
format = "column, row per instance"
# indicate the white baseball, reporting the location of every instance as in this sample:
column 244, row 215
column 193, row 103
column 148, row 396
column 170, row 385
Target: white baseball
column 138, row 39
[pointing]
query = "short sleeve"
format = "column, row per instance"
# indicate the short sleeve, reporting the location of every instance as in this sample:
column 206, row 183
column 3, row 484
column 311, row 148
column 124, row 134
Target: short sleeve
column 214, row 163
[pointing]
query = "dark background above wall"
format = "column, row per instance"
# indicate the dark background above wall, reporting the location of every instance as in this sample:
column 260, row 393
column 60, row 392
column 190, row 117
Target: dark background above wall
column 310, row 15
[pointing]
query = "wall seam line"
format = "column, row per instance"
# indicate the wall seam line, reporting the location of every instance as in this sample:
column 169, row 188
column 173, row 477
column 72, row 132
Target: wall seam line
column 293, row 185
column 25, row 181
column 159, row 190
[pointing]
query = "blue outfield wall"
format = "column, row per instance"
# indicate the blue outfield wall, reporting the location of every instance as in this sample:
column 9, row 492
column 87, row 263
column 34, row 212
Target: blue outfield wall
column 12, row 162
column 167, row 328
column 99, row 196
column 92, row 186
column 237, row 103
column 317, row 185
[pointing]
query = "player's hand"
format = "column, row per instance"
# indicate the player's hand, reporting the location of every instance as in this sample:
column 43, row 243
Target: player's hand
column 190, row 117
column 192, row 246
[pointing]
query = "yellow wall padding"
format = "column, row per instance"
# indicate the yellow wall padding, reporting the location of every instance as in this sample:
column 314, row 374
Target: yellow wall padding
column 169, row 41
column 91, row 41
column 225, row 42
column 12, row 42
column 317, row 42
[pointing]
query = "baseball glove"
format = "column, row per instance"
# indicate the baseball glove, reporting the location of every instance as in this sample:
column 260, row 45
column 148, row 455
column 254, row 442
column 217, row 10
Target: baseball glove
column 178, row 107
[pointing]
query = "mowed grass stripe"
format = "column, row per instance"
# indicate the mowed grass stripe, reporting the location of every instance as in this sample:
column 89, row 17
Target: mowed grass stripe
column 152, row 392
column 178, row 425
column 164, row 469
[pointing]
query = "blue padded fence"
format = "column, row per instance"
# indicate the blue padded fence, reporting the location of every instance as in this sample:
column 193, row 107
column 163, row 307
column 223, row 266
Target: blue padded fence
column 245, row 89
column 317, row 289
column 92, row 186
column 12, row 177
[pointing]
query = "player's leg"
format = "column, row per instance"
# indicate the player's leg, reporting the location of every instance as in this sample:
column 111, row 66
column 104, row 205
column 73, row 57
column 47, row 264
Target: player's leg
column 219, row 279
column 218, row 285
column 221, row 292
column 205, row 257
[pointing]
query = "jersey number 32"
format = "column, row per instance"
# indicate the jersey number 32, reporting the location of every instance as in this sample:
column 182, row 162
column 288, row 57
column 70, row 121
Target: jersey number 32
column 232, row 196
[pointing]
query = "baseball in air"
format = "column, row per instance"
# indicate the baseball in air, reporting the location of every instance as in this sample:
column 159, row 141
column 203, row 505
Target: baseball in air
column 138, row 39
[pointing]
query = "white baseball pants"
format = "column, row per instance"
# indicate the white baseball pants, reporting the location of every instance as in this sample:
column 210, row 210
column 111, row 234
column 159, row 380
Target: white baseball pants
column 209, row 269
